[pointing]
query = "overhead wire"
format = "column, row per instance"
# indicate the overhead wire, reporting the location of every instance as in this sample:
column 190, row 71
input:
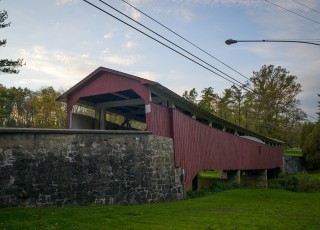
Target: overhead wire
column 188, row 41
column 168, row 40
column 291, row 11
column 306, row 6
column 176, row 51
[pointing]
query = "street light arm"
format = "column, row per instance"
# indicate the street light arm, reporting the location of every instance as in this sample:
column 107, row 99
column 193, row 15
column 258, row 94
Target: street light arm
column 231, row 41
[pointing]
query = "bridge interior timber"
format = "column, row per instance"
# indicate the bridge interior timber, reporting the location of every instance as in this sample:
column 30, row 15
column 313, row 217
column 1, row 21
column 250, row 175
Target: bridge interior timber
column 202, row 141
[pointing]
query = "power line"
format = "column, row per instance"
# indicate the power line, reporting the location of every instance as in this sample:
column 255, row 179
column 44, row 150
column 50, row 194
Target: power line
column 176, row 51
column 306, row 6
column 172, row 31
column 168, row 40
column 300, row 15
column 312, row 117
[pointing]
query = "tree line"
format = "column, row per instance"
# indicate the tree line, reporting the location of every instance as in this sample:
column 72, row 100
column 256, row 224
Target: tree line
column 24, row 108
column 266, row 104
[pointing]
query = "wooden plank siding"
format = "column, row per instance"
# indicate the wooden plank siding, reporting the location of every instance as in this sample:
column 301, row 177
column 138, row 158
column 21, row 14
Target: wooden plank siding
column 159, row 121
column 199, row 147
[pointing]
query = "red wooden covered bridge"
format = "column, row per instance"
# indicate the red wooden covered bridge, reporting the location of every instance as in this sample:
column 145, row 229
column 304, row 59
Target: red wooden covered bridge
column 202, row 141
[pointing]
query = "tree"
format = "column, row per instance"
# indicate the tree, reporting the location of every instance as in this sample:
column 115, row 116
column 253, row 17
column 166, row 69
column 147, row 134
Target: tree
column 47, row 112
column 31, row 109
column 224, row 105
column 319, row 108
column 276, row 108
column 311, row 144
column 14, row 108
column 191, row 95
column 208, row 100
column 6, row 65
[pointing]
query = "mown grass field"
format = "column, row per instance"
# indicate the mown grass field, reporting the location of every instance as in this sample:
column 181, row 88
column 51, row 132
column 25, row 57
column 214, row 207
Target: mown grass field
column 293, row 152
column 232, row 209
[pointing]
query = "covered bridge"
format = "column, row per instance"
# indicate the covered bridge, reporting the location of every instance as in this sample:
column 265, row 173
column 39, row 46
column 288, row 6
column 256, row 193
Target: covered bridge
column 202, row 141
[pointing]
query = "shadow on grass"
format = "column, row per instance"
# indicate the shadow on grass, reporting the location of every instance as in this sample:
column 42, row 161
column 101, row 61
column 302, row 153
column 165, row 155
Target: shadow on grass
column 217, row 186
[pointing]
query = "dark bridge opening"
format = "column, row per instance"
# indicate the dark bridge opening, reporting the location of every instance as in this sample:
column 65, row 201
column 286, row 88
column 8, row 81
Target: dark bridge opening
column 123, row 110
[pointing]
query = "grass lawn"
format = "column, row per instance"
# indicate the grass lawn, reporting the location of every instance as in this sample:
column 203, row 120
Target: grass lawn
column 293, row 152
column 233, row 209
column 209, row 174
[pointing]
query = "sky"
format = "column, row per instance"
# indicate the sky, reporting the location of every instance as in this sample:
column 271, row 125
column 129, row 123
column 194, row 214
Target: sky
column 62, row 41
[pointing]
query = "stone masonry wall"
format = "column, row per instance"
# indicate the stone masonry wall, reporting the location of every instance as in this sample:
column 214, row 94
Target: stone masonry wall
column 293, row 164
column 68, row 167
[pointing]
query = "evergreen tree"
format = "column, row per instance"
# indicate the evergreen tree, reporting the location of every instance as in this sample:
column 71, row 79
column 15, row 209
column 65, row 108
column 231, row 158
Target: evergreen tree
column 208, row 100
column 6, row 65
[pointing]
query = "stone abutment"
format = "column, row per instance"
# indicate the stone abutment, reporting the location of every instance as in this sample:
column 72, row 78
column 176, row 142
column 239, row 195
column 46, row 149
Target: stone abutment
column 75, row 167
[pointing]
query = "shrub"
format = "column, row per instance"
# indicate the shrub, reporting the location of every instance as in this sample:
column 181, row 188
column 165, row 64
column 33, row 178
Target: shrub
column 302, row 182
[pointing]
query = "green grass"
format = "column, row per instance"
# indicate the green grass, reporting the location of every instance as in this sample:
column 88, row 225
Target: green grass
column 209, row 174
column 293, row 152
column 233, row 209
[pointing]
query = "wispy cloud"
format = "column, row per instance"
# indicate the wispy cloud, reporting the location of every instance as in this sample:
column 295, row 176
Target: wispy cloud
column 187, row 14
column 121, row 60
column 148, row 75
column 63, row 68
column 129, row 44
column 108, row 35
column 63, row 2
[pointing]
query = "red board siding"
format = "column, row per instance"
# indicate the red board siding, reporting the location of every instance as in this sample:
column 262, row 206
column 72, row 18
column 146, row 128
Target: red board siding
column 200, row 147
column 158, row 120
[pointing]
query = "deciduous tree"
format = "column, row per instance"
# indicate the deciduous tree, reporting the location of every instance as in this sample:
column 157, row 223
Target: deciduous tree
column 276, row 107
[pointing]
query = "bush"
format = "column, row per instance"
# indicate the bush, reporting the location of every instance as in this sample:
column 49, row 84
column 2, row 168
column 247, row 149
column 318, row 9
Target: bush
column 302, row 182
column 217, row 186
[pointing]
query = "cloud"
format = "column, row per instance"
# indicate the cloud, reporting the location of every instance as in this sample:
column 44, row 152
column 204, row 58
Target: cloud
column 121, row 60
column 148, row 75
column 187, row 14
column 63, row 2
column 58, row 66
column 129, row 44
column 108, row 35
column 134, row 14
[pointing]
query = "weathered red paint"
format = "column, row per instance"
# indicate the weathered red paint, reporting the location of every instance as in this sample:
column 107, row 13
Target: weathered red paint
column 199, row 147
column 159, row 121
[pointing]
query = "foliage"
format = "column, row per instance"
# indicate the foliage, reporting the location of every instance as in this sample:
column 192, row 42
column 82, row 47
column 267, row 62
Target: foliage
column 208, row 100
column 302, row 182
column 270, row 108
column 232, row 209
column 310, row 140
column 190, row 95
column 217, row 186
column 6, row 65
column 274, row 93
column 319, row 108
column 25, row 108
